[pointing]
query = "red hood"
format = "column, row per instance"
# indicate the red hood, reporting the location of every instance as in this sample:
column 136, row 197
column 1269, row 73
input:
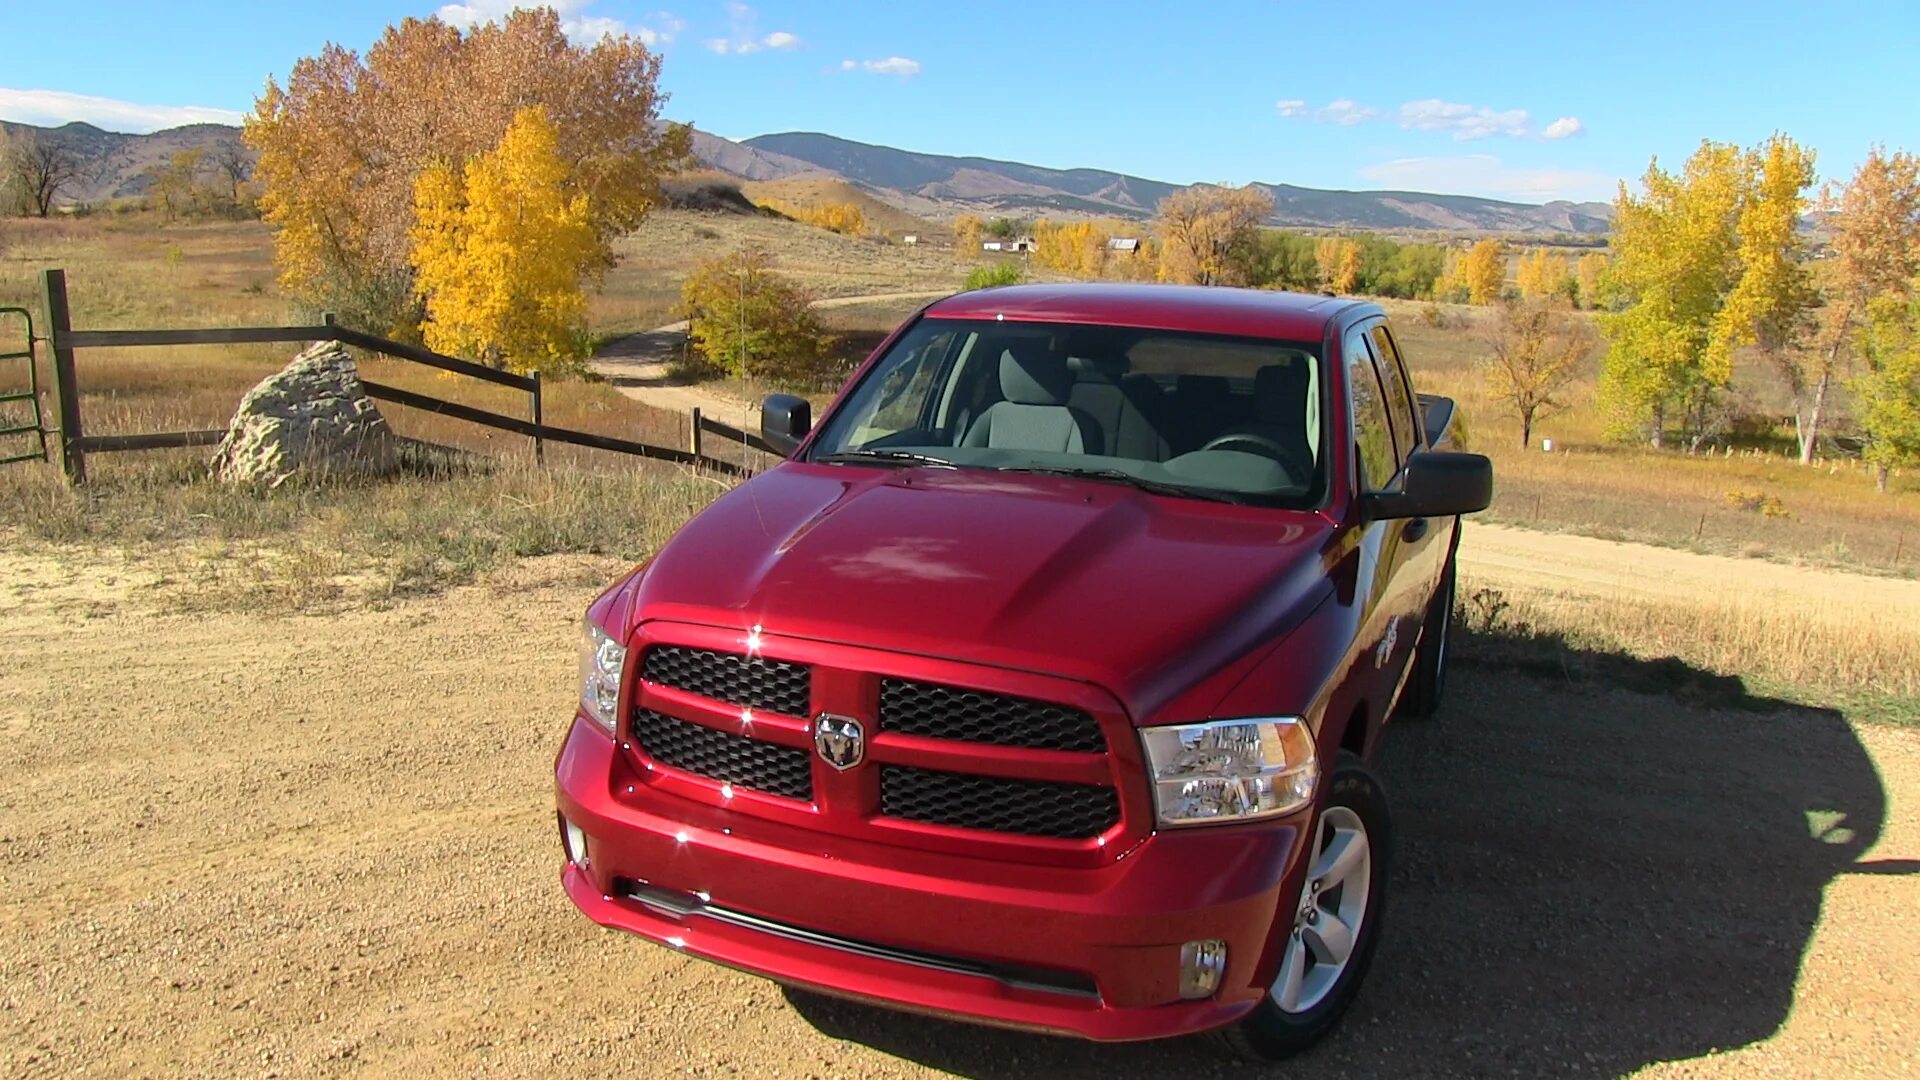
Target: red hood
column 1144, row 595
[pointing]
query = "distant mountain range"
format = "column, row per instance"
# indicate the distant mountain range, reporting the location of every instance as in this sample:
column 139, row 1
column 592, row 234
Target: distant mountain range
column 931, row 186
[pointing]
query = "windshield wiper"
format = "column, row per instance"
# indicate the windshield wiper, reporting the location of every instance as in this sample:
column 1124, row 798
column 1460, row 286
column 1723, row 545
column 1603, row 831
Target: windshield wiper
column 883, row 457
column 1155, row 487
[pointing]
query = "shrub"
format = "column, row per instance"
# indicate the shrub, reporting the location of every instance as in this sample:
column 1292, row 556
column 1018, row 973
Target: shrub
column 993, row 274
column 1758, row 502
column 747, row 320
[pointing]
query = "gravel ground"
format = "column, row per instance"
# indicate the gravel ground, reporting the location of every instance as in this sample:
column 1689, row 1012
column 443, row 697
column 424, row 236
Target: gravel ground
column 241, row 846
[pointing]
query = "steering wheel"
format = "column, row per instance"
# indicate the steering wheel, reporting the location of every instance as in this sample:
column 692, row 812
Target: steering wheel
column 1267, row 446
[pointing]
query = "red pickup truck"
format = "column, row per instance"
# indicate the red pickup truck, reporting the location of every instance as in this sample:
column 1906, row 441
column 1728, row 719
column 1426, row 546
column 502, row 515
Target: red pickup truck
column 1036, row 687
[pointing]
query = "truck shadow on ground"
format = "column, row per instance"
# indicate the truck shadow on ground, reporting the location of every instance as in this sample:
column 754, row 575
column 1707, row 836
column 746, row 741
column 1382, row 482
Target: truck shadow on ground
column 1601, row 863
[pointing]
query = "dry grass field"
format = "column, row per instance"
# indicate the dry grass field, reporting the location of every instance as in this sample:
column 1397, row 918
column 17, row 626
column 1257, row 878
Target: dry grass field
column 318, row 550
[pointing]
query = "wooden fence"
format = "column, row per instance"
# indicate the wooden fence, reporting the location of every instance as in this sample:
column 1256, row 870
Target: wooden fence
column 74, row 444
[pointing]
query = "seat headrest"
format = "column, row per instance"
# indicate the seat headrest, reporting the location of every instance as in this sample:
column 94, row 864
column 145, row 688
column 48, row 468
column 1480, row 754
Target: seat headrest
column 1280, row 393
column 1031, row 375
column 1109, row 366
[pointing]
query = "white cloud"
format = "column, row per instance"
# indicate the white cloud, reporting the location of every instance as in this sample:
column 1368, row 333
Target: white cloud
column 892, row 65
column 581, row 28
column 1346, row 112
column 51, row 108
column 744, row 37
column 1291, row 107
column 1565, row 127
column 1484, row 174
column 1464, row 121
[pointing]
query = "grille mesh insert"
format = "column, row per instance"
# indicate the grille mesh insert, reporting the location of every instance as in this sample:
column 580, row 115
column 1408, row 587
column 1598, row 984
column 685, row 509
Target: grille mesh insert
column 1067, row 811
column 724, row 756
column 755, row 682
column 946, row 712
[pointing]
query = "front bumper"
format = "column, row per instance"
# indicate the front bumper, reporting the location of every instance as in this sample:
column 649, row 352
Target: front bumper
column 864, row 912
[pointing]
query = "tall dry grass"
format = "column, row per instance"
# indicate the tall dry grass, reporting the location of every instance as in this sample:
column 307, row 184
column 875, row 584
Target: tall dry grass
column 1816, row 654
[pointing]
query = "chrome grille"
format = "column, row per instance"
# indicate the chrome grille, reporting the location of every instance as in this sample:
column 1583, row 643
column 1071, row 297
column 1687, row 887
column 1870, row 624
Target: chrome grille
column 997, row 804
column 947, row 712
column 748, row 681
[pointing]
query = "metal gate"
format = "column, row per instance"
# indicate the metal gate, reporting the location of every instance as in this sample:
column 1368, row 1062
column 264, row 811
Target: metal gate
column 16, row 421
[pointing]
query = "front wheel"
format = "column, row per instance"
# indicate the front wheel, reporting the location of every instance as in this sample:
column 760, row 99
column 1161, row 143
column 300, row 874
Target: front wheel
column 1331, row 929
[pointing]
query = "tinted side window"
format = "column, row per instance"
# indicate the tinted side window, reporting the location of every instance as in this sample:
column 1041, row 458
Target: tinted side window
column 1406, row 430
column 1372, row 432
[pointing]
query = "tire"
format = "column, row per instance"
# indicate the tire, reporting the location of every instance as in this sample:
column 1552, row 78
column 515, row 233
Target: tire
column 1429, row 679
column 1356, row 805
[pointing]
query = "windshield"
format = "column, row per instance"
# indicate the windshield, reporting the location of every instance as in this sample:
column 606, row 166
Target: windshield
column 1199, row 415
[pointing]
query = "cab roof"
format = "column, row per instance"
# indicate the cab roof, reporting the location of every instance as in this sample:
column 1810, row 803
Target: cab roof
column 1201, row 309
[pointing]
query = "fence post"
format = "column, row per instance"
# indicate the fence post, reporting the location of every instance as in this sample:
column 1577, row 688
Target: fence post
column 539, row 446
column 693, row 433
column 66, row 392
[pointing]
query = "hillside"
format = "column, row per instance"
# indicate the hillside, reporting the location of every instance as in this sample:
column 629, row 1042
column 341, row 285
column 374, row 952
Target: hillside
column 987, row 184
column 814, row 190
column 932, row 187
column 115, row 163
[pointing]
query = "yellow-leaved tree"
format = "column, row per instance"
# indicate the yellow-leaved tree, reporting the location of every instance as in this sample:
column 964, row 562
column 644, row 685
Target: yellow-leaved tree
column 1076, row 248
column 1337, row 260
column 1484, row 271
column 342, row 143
column 1209, row 235
column 966, row 236
column 1590, row 274
column 1541, row 273
column 503, row 248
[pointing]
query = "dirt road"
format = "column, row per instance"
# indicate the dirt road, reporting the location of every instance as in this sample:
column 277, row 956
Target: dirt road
column 1560, row 562
column 247, row 846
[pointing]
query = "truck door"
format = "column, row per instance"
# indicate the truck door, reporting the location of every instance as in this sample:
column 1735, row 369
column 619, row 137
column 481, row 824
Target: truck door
column 1385, row 633
column 1419, row 543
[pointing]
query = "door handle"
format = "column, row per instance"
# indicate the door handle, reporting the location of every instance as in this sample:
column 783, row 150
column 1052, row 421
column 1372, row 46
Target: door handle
column 1414, row 531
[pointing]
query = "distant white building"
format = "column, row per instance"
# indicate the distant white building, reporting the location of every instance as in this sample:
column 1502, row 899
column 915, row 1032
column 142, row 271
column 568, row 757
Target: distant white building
column 910, row 239
column 1125, row 244
column 1023, row 245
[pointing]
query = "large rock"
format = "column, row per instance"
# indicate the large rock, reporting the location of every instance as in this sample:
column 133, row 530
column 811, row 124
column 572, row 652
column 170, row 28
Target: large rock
column 312, row 417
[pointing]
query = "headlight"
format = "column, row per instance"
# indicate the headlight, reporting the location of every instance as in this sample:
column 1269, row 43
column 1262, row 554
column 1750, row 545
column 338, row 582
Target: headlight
column 1230, row 770
column 601, row 661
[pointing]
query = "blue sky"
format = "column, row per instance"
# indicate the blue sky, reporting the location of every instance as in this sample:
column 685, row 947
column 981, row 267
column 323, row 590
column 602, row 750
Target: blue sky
column 1517, row 100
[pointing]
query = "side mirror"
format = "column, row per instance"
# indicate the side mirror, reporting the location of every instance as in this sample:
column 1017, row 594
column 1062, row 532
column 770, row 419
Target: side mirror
column 785, row 420
column 1437, row 483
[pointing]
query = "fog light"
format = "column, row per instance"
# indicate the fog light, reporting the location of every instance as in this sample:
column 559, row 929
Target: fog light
column 576, row 843
column 1201, row 965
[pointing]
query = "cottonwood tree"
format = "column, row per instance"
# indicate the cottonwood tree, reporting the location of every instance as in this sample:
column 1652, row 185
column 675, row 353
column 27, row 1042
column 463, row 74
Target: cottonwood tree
column 1209, row 234
column 1676, row 256
column 1771, row 304
column 1542, row 273
column 173, row 185
column 966, row 236
column 1536, row 349
column 1589, row 273
column 1869, row 280
column 342, row 144
column 38, row 170
column 1337, row 264
column 233, row 163
column 1483, row 270
column 1888, row 393
column 503, row 248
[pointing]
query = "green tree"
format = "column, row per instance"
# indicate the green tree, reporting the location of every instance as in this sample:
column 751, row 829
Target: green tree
column 503, row 248
column 1675, row 258
column 748, row 321
column 1887, row 394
